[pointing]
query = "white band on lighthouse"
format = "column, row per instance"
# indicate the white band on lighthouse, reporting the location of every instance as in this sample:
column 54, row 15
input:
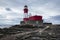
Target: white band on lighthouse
column 25, row 15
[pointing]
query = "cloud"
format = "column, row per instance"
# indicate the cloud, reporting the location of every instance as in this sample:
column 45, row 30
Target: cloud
column 57, row 18
column 53, row 19
column 11, row 11
column 12, row 3
column 8, row 9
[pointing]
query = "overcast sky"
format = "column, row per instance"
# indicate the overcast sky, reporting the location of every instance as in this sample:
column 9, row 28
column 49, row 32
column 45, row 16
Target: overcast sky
column 11, row 11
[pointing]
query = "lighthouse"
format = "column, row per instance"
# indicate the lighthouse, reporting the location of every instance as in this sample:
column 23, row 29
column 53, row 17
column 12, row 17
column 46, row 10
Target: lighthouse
column 35, row 20
column 25, row 13
column 31, row 20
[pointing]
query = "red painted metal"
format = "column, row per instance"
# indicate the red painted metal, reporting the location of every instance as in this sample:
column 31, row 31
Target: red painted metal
column 35, row 18
column 25, row 19
column 26, row 10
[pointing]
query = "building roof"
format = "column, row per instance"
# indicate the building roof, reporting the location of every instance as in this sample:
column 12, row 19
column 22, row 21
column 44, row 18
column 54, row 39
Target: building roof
column 35, row 18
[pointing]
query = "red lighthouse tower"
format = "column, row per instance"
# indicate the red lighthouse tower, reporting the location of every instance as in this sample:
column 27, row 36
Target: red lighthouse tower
column 31, row 20
column 25, row 13
column 25, row 9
